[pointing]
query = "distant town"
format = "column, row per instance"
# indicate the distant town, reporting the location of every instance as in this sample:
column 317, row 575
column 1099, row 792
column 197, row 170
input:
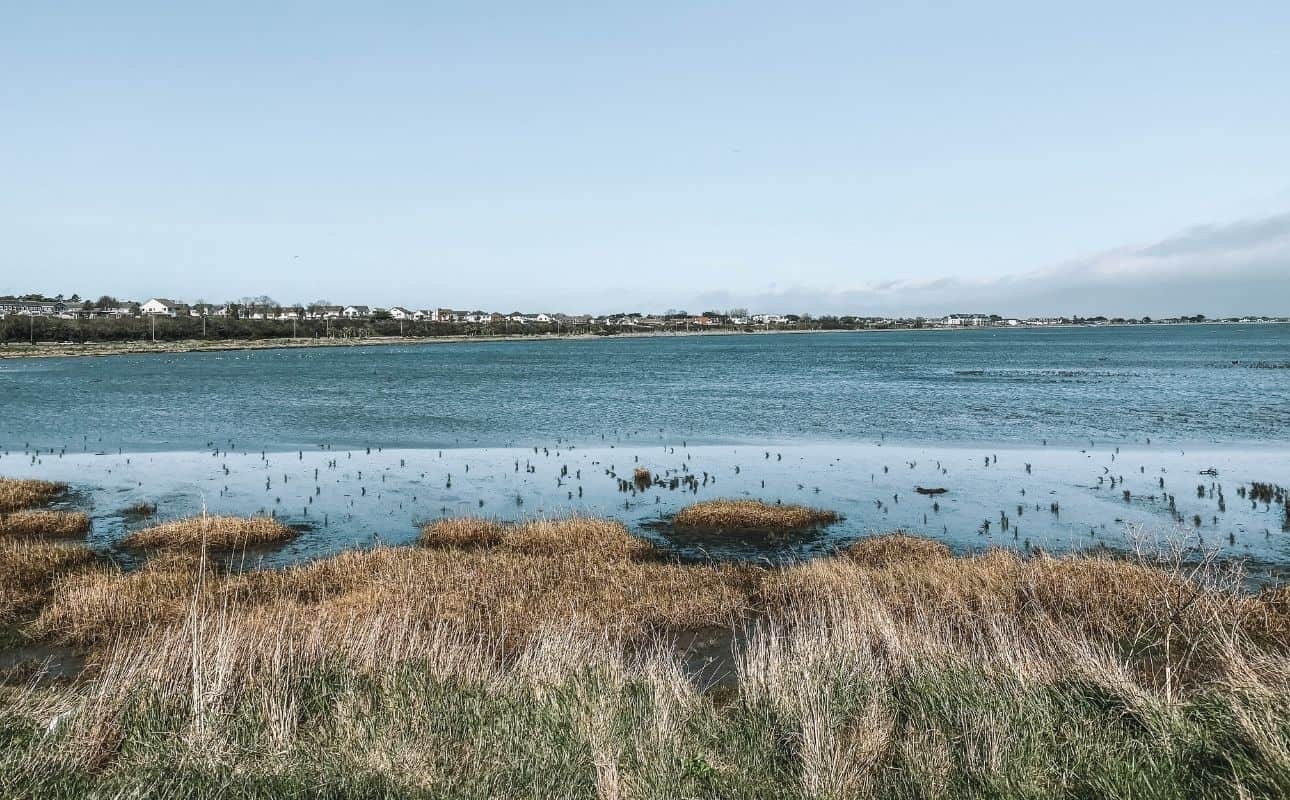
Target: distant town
column 265, row 308
column 36, row 318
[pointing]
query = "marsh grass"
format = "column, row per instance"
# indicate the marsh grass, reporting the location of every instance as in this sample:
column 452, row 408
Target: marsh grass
column 642, row 478
column 536, row 660
column 896, row 548
column 462, row 532
column 221, row 533
column 33, row 523
column 17, row 494
column 29, row 570
column 140, row 509
column 474, row 574
column 751, row 515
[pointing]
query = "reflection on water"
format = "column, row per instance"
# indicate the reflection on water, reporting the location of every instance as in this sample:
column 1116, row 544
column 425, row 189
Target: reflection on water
column 1056, row 498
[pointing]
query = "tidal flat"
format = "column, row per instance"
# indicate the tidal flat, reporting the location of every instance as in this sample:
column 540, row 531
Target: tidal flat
column 1056, row 498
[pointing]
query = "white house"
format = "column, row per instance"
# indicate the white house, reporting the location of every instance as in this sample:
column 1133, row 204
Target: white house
column 160, row 306
column 356, row 312
column 399, row 312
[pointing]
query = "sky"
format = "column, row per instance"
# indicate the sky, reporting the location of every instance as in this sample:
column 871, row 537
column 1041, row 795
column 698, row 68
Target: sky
column 819, row 157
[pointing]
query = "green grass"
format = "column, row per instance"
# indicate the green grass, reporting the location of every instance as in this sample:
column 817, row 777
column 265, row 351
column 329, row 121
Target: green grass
column 935, row 731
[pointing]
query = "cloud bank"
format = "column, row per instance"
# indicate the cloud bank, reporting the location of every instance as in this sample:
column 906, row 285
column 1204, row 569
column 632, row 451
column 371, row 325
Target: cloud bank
column 1216, row 270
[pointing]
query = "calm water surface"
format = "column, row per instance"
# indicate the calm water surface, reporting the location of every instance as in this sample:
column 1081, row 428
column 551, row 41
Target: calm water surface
column 1213, row 384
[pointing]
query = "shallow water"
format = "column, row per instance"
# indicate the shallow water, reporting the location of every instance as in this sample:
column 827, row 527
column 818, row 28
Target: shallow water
column 360, row 497
column 852, row 422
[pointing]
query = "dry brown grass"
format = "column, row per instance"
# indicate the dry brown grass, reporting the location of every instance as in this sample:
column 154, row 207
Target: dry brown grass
column 1128, row 608
column 17, row 494
column 1277, row 598
column 37, row 523
column 589, row 574
column 221, row 533
column 751, row 515
column 896, row 548
column 462, row 532
column 507, row 582
column 28, row 571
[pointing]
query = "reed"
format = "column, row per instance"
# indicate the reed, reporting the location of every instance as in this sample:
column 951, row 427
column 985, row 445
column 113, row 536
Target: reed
column 583, row 571
column 223, row 533
column 39, row 523
column 896, row 548
column 751, row 515
column 18, row 494
column 462, row 532
column 29, row 570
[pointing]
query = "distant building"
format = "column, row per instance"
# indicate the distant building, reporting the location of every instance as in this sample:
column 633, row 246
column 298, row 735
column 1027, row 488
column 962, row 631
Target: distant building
column 966, row 320
column 32, row 308
column 356, row 312
column 161, row 307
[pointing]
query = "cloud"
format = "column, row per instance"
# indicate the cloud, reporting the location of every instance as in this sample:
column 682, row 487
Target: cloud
column 1218, row 270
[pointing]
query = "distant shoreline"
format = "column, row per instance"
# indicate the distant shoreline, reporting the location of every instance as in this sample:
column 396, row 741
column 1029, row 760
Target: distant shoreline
column 92, row 349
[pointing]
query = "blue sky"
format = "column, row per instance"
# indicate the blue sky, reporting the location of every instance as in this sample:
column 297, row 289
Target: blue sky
column 596, row 157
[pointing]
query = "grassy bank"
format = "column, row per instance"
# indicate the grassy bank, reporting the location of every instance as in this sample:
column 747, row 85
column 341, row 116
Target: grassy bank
column 555, row 658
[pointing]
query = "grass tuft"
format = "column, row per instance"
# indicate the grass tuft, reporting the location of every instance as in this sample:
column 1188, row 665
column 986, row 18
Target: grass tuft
column 896, row 548
column 37, row 523
column 751, row 515
column 642, row 478
column 17, row 494
column 29, row 570
column 462, row 532
column 221, row 533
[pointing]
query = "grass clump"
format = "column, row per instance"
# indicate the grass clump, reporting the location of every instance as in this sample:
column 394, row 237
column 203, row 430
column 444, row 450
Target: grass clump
column 30, row 569
column 221, row 533
column 462, row 532
column 751, row 515
column 143, row 508
column 897, row 548
column 642, row 478
column 18, row 494
column 39, row 523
